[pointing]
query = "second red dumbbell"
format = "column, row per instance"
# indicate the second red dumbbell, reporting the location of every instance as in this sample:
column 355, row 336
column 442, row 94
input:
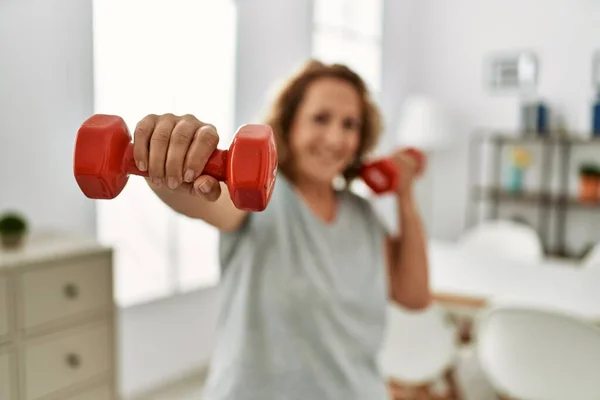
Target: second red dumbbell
column 383, row 176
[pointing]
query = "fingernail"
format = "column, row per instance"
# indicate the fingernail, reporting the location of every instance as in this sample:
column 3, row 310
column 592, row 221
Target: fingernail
column 172, row 182
column 189, row 175
column 204, row 187
column 141, row 166
column 157, row 181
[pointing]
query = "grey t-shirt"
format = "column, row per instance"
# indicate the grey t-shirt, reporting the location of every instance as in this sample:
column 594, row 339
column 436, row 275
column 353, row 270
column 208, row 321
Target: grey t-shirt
column 303, row 310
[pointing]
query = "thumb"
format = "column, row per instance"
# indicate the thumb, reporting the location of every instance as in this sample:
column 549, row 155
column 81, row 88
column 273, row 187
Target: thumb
column 207, row 187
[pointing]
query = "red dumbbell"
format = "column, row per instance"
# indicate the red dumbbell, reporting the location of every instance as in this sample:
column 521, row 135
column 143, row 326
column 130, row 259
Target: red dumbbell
column 383, row 176
column 103, row 161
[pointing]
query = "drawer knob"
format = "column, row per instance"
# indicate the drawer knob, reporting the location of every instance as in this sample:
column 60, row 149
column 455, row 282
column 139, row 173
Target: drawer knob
column 71, row 291
column 73, row 361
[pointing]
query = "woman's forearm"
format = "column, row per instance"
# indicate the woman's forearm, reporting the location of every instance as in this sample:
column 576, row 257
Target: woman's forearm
column 410, row 278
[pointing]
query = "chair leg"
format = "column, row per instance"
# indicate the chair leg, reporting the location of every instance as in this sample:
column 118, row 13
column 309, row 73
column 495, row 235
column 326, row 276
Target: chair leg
column 399, row 391
column 452, row 382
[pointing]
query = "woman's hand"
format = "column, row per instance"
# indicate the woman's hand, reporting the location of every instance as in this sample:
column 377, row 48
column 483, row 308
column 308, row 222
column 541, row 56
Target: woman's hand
column 408, row 165
column 174, row 149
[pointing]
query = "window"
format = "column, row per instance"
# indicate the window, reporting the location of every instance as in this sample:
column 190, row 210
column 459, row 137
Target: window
column 155, row 57
column 350, row 32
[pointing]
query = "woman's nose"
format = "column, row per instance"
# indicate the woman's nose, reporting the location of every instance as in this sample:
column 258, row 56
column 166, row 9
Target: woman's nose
column 335, row 135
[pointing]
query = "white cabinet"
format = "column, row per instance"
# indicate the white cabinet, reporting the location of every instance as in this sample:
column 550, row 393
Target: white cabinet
column 7, row 378
column 4, row 316
column 57, row 320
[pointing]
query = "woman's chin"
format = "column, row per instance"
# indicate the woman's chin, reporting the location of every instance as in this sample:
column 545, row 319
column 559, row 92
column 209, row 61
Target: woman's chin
column 326, row 175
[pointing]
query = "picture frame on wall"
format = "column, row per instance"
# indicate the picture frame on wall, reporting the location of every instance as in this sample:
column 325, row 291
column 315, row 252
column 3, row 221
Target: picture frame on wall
column 511, row 71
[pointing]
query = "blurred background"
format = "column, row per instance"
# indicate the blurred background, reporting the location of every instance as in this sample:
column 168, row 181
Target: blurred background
column 122, row 295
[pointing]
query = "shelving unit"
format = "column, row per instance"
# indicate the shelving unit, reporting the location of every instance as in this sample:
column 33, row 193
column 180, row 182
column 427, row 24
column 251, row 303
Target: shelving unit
column 547, row 201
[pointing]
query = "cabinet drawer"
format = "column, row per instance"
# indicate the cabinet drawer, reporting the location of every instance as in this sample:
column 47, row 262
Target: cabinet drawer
column 54, row 293
column 4, row 327
column 66, row 359
column 100, row 393
column 7, row 387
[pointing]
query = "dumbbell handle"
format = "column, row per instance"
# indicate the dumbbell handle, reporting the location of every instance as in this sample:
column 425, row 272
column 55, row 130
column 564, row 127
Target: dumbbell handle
column 216, row 166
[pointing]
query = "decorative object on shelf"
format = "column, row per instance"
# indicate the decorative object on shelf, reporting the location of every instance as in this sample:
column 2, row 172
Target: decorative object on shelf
column 589, row 182
column 596, row 86
column 13, row 230
column 534, row 117
column 596, row 117
column 521, row 160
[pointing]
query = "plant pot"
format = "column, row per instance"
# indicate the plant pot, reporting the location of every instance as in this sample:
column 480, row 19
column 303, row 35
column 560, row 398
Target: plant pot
column 589, row 189
column 12, row 241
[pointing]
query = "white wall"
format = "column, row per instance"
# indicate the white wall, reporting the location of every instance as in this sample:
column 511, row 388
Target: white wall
column 453, row 37
column 46, row 92
column 274, row 39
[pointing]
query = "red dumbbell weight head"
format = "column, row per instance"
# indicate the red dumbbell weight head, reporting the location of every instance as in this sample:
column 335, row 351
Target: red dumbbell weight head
column 103, row 161
column 252, row 167
column 382, row 176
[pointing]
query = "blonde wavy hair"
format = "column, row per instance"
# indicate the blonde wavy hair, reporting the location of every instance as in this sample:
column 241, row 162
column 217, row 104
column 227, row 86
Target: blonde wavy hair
column 287, row 100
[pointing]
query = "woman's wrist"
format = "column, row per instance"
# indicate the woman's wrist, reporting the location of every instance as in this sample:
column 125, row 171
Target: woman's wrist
column 406, row 199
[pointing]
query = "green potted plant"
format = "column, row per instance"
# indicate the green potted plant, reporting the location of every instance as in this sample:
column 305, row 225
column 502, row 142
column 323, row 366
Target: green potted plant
column 13, row 229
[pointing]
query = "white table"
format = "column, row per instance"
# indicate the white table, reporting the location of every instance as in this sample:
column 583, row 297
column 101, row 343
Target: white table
column 461, row 281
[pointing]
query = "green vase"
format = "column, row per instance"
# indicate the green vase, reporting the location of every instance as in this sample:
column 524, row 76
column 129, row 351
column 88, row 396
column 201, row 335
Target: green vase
column 515, row 180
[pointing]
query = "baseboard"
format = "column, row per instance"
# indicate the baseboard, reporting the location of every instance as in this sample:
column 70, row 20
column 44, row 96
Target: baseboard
column 194, row 376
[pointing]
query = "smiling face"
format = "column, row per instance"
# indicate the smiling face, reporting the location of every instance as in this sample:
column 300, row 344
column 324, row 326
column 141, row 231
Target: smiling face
column 325, row 134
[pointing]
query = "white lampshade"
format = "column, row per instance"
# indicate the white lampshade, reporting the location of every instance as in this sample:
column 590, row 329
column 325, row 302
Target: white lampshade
column 423, row 124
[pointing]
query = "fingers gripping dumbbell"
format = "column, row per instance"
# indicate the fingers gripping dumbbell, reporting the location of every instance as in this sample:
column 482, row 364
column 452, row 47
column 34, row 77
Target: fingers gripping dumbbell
column 103, row 161
column 383, row 176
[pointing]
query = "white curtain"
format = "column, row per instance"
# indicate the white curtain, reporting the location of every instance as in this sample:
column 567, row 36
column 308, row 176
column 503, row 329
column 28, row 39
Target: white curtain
column 155, row 56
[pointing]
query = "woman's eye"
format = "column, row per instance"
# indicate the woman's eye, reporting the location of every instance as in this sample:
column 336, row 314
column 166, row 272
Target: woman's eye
column 350, row 124
column 321, row 118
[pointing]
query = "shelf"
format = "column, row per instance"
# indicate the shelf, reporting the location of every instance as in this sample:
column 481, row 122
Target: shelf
column 534, row 197
column 571, row 138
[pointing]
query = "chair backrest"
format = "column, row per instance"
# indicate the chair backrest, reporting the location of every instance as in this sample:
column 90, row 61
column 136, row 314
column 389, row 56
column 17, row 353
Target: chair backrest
column 418, row 345
column 539, row 354
column 592, row 259
column 503, row 239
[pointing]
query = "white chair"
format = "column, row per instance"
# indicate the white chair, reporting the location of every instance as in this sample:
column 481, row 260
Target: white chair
column 592, row 259
column 419, row 347
column 536, row 354
column 503, row 239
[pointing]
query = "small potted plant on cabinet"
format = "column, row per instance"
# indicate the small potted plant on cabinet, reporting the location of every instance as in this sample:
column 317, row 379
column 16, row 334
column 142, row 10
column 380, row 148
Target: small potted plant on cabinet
column 13, row 229
column 589, row 183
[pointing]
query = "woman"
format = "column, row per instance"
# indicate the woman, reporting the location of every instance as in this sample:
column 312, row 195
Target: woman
column 306, row 281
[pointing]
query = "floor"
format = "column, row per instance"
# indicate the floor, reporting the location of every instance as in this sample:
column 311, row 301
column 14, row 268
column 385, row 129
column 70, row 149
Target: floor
column 471, row 386
column 189, row 391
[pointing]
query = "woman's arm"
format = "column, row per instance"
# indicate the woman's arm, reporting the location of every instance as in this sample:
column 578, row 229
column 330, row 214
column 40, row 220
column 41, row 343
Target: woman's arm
column 407, row 251
column 407, row 258
column 220, row 213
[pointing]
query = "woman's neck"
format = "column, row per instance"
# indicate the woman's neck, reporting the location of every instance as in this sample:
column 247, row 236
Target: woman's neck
column 320, row 197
